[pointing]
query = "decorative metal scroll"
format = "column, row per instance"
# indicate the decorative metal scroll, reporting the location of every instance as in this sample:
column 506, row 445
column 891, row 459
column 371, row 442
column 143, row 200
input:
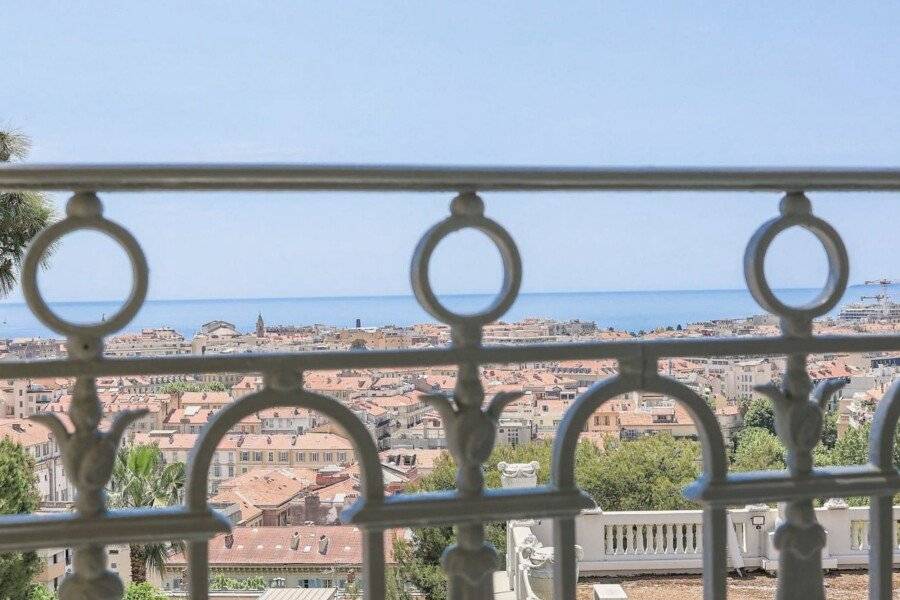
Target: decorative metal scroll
column 469, row 421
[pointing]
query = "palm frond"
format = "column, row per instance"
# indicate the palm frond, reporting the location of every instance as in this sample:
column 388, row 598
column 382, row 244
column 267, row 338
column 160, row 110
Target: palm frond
column 13, row 145
column 22, row 214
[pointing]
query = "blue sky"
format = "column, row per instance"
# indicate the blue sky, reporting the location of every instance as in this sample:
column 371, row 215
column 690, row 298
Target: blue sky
column 575, row 84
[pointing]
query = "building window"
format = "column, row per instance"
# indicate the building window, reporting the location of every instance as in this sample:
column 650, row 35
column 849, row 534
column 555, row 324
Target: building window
column 271, row 457
column 313, row 457
column 257, row 456
column 301, row 456
column 282, row 456
column 245, row 456
column 329, row 457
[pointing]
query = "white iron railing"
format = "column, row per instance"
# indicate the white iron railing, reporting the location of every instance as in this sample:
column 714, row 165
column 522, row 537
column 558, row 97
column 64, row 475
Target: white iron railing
column 88, row 453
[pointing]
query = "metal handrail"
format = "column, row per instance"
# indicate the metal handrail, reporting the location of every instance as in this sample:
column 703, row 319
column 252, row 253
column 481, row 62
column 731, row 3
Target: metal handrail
column 470, row 419
column 272, row 177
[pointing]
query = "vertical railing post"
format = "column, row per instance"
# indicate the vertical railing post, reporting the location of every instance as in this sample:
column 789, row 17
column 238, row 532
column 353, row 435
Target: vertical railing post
column 798, row 410
column 471, row 428
column 88, row 453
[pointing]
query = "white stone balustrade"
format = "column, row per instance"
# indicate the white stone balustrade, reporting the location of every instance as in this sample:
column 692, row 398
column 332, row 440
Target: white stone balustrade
column 663, row 542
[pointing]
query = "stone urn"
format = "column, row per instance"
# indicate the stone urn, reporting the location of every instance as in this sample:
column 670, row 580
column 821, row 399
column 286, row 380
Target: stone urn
column 539, row 563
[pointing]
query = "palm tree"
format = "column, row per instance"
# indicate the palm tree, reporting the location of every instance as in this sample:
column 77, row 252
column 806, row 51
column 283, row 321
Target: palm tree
column 22, row 214
column 141, row 479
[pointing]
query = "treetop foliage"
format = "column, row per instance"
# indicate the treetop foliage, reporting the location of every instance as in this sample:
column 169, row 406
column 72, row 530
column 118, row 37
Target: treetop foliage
column 18, row 494
column 179, row 387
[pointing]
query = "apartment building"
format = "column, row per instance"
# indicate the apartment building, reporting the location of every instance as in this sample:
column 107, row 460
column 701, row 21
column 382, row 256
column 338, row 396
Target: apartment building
column 52, row 484
column 155, row 341
column 238, row 454
column 21, row 398
column 56, row 563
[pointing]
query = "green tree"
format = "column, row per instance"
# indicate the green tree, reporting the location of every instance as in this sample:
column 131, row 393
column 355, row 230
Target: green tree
column 393, row 586
column 18, row 494
column 852, row 448
column 22, row 215
column 757, row 450
column 179, row 387
column 829, row 429
column 39, row 592
column 254, row 582
column 418, row 561
column 644, row 474
column 141, row 479
column 220, row 581
column 647, row 473
column 143, row 591
column 760, row 413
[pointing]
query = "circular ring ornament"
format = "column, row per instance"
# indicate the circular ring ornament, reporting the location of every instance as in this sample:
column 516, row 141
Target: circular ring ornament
column 467, row 212
column 796, row 212
column 84, row 212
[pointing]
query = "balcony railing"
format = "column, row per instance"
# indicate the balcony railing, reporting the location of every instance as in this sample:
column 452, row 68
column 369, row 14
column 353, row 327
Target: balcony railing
column 470, row 427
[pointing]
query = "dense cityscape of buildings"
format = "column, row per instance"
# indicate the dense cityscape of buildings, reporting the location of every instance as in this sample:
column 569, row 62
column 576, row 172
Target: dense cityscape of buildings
column 283, row 475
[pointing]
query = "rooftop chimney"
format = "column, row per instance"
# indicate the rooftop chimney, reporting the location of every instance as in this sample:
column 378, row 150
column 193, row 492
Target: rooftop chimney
column 295, row 540
column 323, row 544
column 229, row 540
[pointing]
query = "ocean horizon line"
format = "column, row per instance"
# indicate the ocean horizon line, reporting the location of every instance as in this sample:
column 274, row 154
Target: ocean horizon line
column 410, row 295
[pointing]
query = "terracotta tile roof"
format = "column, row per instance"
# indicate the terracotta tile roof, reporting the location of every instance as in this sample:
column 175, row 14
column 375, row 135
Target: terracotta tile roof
column 23, row 431
column 206, row 398
column 249, row 511
column 396, row 401
column 200, row 417
column 268, row 487
column 349, row 487
column 424, row 457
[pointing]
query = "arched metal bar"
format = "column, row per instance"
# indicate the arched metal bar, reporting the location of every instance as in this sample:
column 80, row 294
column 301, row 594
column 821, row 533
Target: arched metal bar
column 884, row 424
column 715, row 468
column 881, row 507
column 371, row 478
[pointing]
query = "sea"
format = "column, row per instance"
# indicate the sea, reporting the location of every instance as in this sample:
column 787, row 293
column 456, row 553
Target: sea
column 629, row 310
